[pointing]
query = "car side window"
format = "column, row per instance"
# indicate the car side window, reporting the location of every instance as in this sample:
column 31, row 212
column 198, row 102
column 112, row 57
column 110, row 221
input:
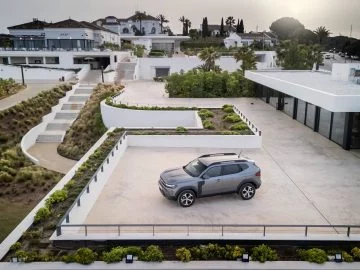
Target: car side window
column 230, row 169
column 213, row 172
column 243, row 166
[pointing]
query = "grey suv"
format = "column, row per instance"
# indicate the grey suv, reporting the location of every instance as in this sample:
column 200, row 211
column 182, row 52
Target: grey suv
column 211, row 175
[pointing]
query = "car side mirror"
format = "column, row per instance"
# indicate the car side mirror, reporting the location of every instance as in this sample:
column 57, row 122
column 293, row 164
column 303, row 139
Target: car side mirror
column 205, row 176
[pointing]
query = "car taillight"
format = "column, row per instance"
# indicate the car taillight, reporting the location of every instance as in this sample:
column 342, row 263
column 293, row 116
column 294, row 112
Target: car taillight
column 258, row 173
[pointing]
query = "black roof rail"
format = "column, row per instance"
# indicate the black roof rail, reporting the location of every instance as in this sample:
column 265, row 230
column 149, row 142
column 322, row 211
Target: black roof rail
column 218, row 154
column 228, row 161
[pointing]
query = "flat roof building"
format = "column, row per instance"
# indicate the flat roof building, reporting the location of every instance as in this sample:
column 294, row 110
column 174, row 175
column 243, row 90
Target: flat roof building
column 328, row 103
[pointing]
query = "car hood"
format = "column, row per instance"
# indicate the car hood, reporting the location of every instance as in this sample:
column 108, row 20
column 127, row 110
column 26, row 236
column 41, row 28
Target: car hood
column 175, row 175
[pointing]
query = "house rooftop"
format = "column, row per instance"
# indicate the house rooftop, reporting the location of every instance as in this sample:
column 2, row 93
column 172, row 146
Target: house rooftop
column 316, row 87
column 35, row 24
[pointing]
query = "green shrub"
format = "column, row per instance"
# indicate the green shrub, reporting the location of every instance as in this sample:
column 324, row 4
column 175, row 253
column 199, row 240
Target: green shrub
column 32, row 234
column 16, row 246
column 233, row 252
column 239, row 126
column 207, row 124
column 68, row 258
column 5, row 177
column 232, row 118
column 314, row 255
column 355, row 252
column 115, row 255
column 205, row 113
column 56, row 197
column 85, row 256
column 26, row 256
column 347, row 257
column 152, row 254
column 135, row 251
column 208, row 252
column 183, row 254
column 181, row 130
column 227, row 108
column 229, row 132
column 263, row 253
column 42, row 214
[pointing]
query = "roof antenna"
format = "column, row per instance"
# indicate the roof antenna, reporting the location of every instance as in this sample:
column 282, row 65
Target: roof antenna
column 240, row 153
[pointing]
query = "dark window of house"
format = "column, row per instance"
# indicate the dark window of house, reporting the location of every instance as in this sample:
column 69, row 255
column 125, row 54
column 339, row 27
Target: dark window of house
column 324, row 122
column 301, row 111
column 355, row 134
column 310, row 116
column 230, row 169
column 289, row 105
column 338, row 127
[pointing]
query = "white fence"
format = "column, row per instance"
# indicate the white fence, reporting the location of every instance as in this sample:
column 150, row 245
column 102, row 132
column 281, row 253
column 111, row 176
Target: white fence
column 30, row 137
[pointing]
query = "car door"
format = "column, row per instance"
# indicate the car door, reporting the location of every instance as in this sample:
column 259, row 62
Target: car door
column 211, row 182
column 230, row 177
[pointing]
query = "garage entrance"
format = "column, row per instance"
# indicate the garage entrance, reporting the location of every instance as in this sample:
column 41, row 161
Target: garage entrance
column 162, row 72
column 94, row 61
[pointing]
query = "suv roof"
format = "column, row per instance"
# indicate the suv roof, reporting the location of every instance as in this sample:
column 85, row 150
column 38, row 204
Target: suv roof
column 218, row 158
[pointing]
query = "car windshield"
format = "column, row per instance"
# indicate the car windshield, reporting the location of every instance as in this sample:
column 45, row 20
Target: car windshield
column 194, row 168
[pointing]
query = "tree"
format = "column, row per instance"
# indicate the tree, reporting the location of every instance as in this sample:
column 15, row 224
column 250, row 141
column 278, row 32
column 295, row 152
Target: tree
column 303, row 36
column 230, row 21
column 187, row 26
column 241, row 27
column 222, row 31
column 194, row 34
column 248, row 58
column 162, row 20
column 284, row 27
column 205, row 28
column 182, row 19
column 322, row 33
column 294, row 56
column 238, row 26
column 209, row 56
column 139, row 16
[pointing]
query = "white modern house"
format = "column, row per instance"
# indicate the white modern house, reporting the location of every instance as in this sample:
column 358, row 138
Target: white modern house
column 214, row 29
column 64, row 35
column 328, row 103
column 148, row 25
column 246, row 39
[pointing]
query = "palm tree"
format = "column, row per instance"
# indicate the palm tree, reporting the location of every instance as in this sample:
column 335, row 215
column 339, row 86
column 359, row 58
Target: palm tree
column 322, row 33
column 182, row 19
column 209, row 56
column 187, row 26
column 230, row 21
column 248, row 58
column 139, row 16
column 162, row 20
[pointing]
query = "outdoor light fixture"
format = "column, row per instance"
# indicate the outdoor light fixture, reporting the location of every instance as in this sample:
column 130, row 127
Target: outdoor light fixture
column 14, row 259
column 338, row 257
column 129, row 258
column 245, row 257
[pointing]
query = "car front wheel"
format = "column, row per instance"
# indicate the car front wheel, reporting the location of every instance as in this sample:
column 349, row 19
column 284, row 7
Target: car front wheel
column 186, row 198
column 247, row 191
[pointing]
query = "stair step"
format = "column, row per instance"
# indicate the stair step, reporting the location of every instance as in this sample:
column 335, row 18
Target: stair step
column 72, row 106
column 83, row 91
column 79, row 98
column 66, row 115
column 57, row 126
column 51, row 136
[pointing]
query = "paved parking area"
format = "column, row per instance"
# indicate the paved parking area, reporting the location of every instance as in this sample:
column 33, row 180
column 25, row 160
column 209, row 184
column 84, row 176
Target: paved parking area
column 307, row 179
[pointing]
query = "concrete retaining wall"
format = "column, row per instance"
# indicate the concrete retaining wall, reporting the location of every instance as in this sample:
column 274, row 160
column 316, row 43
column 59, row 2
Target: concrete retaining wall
column 126, row 118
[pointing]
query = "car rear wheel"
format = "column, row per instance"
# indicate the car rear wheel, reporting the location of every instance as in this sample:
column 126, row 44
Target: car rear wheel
column 186, row 198
column 247, row 191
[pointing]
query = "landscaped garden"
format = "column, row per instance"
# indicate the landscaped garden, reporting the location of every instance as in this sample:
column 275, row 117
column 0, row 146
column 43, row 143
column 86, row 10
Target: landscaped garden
column 23, row 184
column 88, row 127
column 9, row 87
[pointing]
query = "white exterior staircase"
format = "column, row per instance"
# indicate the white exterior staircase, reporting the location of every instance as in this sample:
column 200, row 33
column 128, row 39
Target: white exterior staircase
column 57, row 127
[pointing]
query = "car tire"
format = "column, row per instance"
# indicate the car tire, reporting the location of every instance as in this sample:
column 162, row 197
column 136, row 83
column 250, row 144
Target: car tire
column 247, row 191
column 186, row 198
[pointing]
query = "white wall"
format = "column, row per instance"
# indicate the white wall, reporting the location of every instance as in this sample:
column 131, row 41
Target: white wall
column 67, row 33
column 197, row 141
column 341, row 71
column 176, row 64
column 125, row 118
column 34, row 73
column 83, row 72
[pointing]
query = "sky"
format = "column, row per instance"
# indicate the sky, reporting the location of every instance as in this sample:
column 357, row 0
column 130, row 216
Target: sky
column 335, row 15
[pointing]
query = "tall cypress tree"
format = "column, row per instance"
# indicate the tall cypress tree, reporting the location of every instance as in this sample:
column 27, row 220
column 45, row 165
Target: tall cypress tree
column 238, row 27
column 222, row 27
column 206, row 28
column 203, row 28
column 241, row 27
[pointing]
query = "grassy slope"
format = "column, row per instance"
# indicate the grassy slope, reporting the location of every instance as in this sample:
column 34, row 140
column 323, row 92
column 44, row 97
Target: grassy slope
column 88, row 127
column 23, row 184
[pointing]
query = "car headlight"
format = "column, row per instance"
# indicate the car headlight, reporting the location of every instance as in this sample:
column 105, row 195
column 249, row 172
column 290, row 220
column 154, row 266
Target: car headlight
column 170, row 186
